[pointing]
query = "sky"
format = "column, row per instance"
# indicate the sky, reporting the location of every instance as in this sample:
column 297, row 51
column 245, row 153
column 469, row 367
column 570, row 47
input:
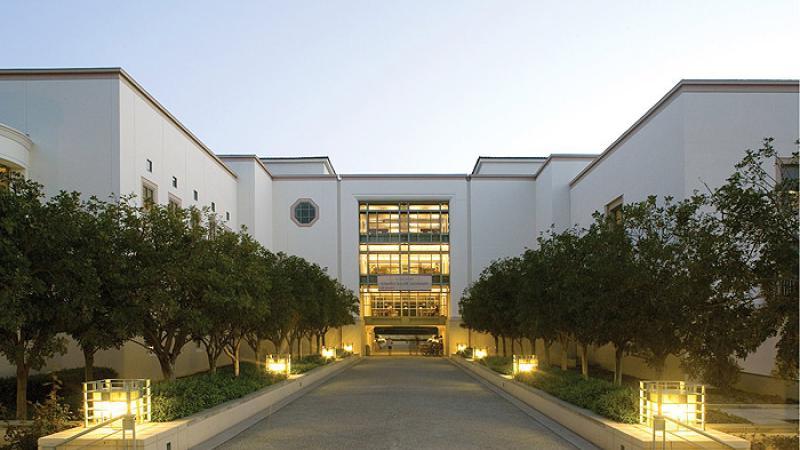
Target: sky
column 407, row 86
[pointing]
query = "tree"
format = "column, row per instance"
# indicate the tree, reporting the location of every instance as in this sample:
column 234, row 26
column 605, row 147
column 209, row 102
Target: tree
column 169, row 278
column 38, row 274
column 759, row 211
column 277, row 325
column 100, row 319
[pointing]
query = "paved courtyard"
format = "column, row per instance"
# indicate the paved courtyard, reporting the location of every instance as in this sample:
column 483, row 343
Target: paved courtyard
column 400, row 403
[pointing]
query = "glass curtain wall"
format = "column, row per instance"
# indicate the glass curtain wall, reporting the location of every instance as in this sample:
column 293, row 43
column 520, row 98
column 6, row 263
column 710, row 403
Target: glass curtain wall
column 404, row 238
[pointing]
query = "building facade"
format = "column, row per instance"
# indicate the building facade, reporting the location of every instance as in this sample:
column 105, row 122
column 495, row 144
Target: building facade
column 408, row 244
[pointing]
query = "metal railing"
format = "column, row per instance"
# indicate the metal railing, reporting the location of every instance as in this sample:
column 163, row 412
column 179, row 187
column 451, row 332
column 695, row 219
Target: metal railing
column 660, row 424
column 128, row 424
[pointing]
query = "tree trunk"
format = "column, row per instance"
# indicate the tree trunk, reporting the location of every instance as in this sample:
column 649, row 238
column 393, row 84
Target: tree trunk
column 88, row 364
column 547, row 360
column 564, row 341
column 167, row 370
column 22, row 389
column 212, row 361
column 618, row 351
column 512, row 345
column 496, row 344
column 236, row 347
column 658, row 366
column 505, row 351
column 319, row 344
column 259, row 351
column 585, row 361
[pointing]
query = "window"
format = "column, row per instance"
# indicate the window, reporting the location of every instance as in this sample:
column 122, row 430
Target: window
column 304, row 212
column 787, row 169
column 174, row 202
column 148, row 195
column 149, row 166
column 227, row 215
column 614, row 210
column 174, row 182
column 213, row 207
column 196, row 195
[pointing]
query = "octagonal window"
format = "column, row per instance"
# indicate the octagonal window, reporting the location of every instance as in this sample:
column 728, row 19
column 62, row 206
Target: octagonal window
column 305, row 212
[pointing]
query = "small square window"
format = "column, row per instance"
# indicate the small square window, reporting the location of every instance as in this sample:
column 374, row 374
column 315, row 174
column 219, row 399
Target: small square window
column 213, row 207
column 196, row 196
column 227, row 215
column 174, row 182
column 149, row 166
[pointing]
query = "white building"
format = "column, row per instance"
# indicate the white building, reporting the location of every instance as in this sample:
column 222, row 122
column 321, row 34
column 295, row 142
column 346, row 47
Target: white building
column 99, row 132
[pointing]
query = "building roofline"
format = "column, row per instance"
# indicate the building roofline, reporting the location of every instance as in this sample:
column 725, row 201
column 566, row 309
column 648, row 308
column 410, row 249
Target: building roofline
column 690, row 85
column 566, row 156
column 290, row 159
column 120, row 72
column 480, row 159
column 246, row 156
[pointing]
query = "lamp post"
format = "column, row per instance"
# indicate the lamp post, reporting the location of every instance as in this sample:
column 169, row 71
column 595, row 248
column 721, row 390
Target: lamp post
column 112, row 398
column 524, row 364
column 676, row 400
column 279, row 365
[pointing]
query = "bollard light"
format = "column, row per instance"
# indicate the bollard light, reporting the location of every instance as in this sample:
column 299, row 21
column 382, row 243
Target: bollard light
column 328, row 353
column 525, row 364
column 479, row 353
column 348, row 348
column 108, row 399
column 461, row 347
column 279, row 365
column 676, row 400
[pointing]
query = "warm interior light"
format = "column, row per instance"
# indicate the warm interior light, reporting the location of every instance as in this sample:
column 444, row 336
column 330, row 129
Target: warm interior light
column 479, row 353
column 347, row 348
column 675, row 400
column 461, row 347
column 328, row 352
column 525, row 364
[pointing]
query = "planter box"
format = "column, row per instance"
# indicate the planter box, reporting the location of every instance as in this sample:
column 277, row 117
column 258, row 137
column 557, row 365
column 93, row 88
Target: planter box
column 596, row 429
column 209, row 428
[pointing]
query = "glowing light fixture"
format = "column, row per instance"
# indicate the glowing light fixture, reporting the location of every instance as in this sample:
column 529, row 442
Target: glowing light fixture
column 279, row 365
column 676, row 400
column 328, row 353
column 108, row 399
column 348, row 348
column 479, row 353
column 461, row 347
column 525, row 364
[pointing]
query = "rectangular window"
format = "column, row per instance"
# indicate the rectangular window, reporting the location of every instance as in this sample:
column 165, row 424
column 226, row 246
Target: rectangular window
column 614, row 210
column 213, row 207
column 174, row 202
column 196, row 195
column 148, row 196
column 227, row 215
column 175, row 182
column 149, row 166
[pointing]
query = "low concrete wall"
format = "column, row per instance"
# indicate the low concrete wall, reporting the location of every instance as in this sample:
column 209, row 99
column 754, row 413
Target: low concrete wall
column 210, row 428
column 598, row 430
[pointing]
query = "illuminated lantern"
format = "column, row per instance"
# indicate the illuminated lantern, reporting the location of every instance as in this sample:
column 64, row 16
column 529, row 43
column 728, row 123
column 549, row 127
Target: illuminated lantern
column 479, row 353
column 525, row 364
column 461, row 347
column 109, row 399
column 279, row 365
column 674, row 400
column 328, row 353
column 348, row 348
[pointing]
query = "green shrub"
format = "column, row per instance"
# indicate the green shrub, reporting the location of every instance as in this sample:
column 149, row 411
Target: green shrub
column 500, row 364
column 618, row 403
column 306, row 363
column 49, row 417
column 39, row 387
column 188, row 395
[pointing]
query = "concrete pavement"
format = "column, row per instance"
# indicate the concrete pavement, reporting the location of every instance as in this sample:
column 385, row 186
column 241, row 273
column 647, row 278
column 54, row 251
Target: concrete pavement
column 399, row 403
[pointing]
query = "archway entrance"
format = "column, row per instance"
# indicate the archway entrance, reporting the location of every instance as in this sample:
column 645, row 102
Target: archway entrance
column 406, row 340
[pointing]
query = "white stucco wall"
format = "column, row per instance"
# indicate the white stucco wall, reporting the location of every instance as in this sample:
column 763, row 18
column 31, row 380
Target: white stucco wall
column 502, row 166
column 254, row 190
column 15, row 148
column 553, row 193
column 147, row 133
column 297, row 167
column 72, row 122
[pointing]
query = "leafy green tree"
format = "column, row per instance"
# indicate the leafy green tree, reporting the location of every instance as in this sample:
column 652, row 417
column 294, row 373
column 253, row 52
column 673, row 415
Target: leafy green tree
column 38, row 274
column 101, row 319
column 276, row 326
column 758, row 209
column 536, row 309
